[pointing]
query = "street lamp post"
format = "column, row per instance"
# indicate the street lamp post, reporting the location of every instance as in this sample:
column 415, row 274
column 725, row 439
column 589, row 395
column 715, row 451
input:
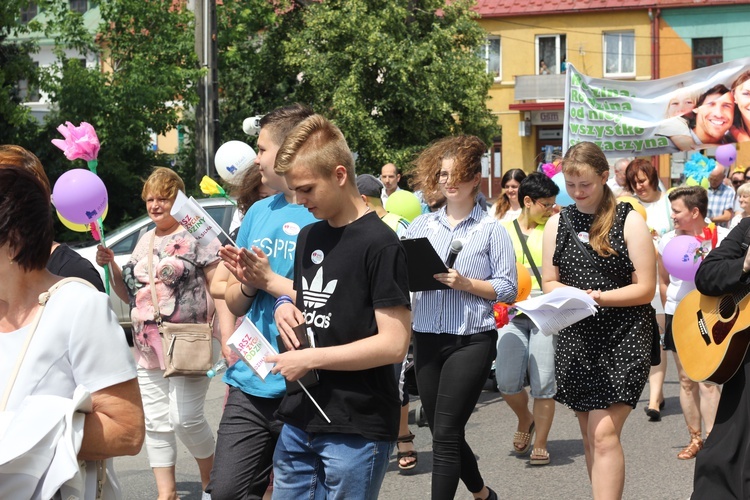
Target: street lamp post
column 207, row 116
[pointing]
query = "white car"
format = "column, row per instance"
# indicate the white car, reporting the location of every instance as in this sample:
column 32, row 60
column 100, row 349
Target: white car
column 123, row 240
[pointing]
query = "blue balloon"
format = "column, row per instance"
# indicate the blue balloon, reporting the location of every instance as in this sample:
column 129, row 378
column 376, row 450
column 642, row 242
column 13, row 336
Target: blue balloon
column 563, row 198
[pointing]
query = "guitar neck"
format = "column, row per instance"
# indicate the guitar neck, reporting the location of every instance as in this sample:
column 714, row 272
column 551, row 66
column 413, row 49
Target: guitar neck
column 739, row 295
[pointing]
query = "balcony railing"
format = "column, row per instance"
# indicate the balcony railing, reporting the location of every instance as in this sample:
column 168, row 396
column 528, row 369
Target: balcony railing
column 540, row 87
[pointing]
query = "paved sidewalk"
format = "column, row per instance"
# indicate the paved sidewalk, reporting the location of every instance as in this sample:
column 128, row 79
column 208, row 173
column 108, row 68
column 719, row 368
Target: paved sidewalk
column 652, row 469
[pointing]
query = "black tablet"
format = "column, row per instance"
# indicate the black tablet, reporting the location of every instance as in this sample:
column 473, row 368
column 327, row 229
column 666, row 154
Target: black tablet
column 423, row 263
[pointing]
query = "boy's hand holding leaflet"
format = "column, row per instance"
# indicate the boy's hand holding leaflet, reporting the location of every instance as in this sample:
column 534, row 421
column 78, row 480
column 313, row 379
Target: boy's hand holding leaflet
column 558, row 309
column 253, row 348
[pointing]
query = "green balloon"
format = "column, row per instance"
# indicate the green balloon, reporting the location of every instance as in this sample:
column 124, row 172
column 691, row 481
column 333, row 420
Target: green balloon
column 405, row 204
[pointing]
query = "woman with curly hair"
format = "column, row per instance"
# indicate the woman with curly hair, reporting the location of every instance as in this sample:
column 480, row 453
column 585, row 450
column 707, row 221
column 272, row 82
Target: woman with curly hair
column 454, row 329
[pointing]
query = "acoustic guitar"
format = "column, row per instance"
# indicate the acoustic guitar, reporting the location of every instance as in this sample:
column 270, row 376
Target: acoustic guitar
column 710, row 334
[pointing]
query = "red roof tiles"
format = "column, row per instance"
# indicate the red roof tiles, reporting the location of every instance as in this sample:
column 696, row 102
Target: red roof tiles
column 504, row 8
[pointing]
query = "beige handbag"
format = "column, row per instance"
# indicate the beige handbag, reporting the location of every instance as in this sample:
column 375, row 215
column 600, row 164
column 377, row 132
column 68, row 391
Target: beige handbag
column 187, row 347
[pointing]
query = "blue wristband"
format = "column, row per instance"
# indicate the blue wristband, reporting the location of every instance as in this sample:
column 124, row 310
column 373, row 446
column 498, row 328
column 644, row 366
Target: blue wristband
column 283, row 299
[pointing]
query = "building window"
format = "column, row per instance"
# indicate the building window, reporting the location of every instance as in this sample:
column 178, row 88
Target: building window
column 80, row 6
column 550, row 50
column 28, row 12
column 27, row 92
column 707, row 52
column 490, row 52
column 73, row 61
column 619, row 54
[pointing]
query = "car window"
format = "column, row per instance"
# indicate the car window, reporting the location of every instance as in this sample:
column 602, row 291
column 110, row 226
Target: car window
column 223, row 216
column 126, row 245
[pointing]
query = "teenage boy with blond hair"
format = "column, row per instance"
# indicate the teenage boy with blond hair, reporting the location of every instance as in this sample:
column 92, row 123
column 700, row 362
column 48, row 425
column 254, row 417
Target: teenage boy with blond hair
column 351, row 290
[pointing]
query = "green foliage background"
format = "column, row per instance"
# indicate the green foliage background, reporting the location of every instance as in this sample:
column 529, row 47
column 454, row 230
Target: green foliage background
column 393, row 74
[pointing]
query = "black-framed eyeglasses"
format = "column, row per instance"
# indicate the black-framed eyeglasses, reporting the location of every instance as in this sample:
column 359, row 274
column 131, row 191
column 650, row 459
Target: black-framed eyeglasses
column 442, row 177
column 546, row 206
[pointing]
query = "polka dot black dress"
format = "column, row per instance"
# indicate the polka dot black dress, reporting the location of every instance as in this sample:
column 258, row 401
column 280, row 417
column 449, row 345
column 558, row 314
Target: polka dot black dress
column 605, row 358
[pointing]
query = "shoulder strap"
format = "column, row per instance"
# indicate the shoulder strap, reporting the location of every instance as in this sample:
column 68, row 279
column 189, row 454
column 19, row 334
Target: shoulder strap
column 43, row 298
column 527, row 252
column 154, row 299
column 586, row 253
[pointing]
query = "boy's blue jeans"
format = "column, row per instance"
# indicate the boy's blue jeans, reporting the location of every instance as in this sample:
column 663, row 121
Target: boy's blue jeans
column 328, row 465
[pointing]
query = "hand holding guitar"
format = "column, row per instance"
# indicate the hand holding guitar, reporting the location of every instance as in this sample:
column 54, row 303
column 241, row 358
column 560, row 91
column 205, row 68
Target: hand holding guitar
column 746, row 262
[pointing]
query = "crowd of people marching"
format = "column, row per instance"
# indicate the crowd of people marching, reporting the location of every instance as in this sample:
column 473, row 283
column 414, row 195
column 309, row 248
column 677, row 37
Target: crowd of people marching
column 316, row 247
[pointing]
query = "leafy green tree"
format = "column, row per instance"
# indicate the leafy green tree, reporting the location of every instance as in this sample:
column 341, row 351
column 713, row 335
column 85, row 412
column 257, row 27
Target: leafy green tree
column 393, row 74
column 253, row 76
column 146, row 85
column 16, row 123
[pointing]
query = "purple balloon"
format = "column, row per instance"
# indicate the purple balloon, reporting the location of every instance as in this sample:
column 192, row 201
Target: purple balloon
column 80, row 196
column 682, row 256
column 726, row 154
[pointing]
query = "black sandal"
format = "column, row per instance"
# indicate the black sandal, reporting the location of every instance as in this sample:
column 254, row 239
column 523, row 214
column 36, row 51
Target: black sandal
column 407, row 438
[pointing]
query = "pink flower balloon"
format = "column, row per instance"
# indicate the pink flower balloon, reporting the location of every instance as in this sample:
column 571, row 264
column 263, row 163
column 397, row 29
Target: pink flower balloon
column 80, row 196
column 80, row 142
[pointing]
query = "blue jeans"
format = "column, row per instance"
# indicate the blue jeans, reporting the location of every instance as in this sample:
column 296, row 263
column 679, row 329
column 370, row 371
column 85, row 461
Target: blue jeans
column 521, row 348
column 330, row 465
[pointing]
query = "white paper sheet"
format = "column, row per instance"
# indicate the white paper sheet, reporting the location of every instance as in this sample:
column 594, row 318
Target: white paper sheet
column 558, row 309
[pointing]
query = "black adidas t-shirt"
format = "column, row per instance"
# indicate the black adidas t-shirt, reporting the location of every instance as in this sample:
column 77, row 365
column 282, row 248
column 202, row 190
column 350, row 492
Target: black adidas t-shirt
column 341, row 276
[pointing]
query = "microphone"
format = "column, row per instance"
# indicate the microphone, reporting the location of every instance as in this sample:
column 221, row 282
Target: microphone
column 456, row 246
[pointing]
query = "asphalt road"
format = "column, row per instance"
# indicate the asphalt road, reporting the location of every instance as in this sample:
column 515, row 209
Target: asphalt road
column 652, row 469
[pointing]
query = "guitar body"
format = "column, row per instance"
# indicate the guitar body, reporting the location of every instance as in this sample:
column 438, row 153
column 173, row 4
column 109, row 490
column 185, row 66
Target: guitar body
column 710, row 337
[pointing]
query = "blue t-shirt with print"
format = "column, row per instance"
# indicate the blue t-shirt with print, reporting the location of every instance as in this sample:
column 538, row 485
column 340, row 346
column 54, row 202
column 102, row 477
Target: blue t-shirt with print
column 272, row 225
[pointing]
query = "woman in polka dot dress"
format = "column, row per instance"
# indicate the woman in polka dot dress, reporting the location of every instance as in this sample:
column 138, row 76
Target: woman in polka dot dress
column 602, row 362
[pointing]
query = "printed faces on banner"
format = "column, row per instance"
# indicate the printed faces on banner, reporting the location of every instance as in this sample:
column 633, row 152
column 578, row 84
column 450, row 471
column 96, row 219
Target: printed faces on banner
column 703, row 108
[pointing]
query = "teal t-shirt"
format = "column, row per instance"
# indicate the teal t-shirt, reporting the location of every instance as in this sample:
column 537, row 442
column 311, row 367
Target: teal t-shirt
column 272, row 225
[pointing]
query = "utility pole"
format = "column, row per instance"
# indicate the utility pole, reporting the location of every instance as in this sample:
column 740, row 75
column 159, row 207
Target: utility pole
column 207, row 112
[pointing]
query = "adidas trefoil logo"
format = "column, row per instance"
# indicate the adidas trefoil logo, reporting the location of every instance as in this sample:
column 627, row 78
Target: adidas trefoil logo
column 315, row 296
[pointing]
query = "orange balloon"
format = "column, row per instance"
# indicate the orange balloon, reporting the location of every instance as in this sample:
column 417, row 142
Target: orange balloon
column 524, row 282
column 635, row 203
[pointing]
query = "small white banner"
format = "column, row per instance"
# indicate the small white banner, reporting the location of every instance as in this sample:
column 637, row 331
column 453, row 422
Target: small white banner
column 194, row 219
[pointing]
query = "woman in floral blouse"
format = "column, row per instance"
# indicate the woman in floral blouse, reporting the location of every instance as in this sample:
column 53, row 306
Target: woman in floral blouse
column 183, row 270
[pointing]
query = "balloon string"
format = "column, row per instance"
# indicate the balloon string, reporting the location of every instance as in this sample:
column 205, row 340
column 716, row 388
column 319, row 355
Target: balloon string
column 108, row 267
column 93, row 164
